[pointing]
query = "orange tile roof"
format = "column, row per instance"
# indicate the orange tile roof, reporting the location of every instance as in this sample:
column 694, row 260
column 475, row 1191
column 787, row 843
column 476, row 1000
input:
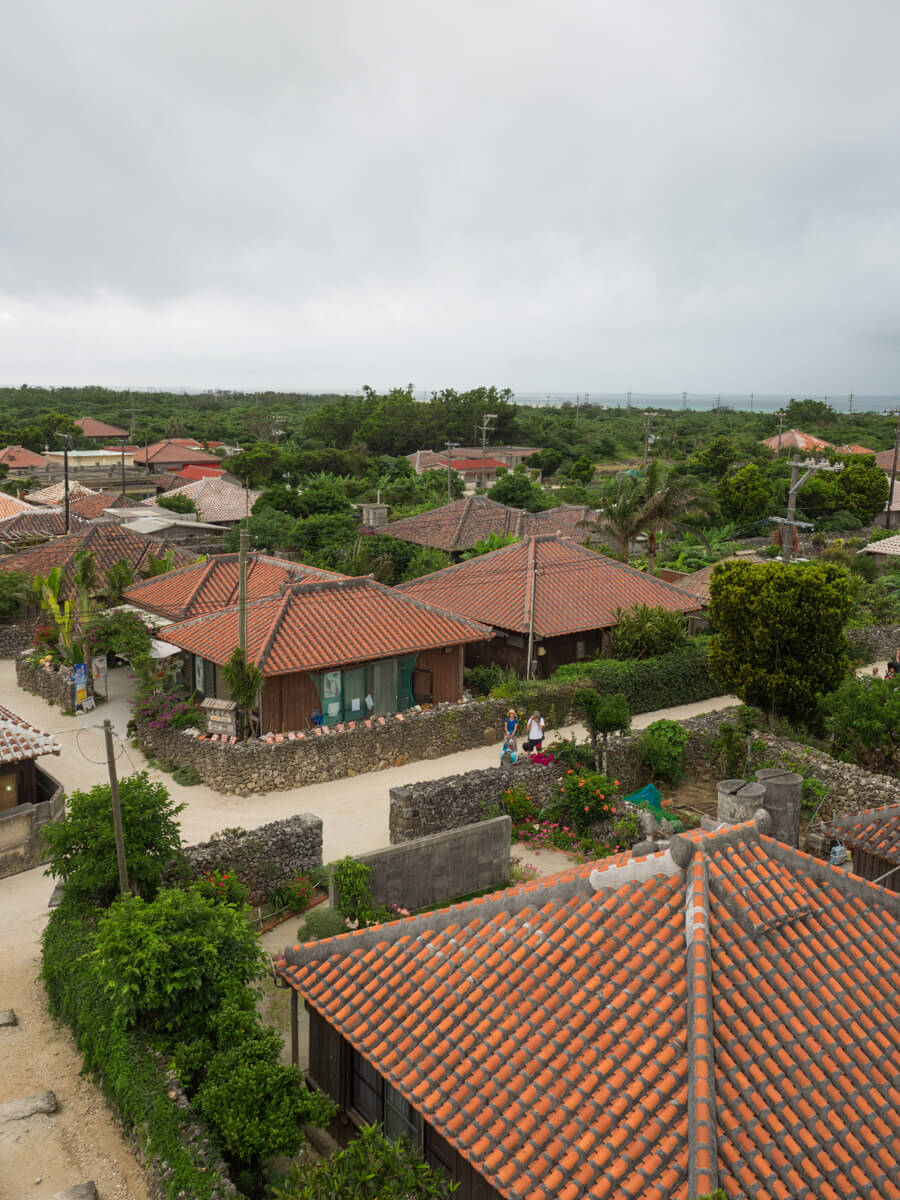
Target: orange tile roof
column 211, row 586
column 458, row 526
column 885, row 460
column 99, row 429
column 572, row 588
column 108, row 543
column 20, row 741
column 193, row 471
column 325, row 624
column 722, row 1014
column 17, row 458
column 41, row 523
column 875, row 831
column 174, row 450
column 796, row 439
column 11, row 506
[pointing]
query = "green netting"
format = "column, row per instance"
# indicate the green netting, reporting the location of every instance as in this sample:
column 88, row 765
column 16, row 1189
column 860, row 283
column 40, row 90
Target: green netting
column 649, row 798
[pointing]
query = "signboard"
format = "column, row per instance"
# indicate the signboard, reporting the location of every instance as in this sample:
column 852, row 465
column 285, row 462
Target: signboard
column 99, row 667
column 221, row 716
column 79, row 682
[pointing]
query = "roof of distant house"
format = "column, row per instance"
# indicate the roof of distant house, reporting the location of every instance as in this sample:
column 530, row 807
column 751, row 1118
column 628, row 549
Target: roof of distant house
column 20, row 741
column 720, row 1014
column 796, row 439
column 697, row 583
column 11, row 506
column 174, row 451
column 17, row 458
column 211, row 586
column 875, row 831
column 570, row 588
column 94, row 506
column 195, row 471
column 39, row 523
column 108, row 543
column 854, row 448
column 324, row 624
column 99, row 429
column 885, row 460
column 56, row 493
column 462, row 524
column 889, row 546
column 215, row 499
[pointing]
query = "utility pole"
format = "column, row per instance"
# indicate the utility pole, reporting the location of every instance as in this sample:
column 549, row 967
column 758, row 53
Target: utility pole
column 122, row 444
column 718, row 401
column 451, row 446
column 797, row 482
column 851, row 404
column 485, row 427
column 629, row 402
column 116, row 807
column 243, row 547
column 532, row 553
column 66, row 441
column 751, row 402
column 780, row 427
column 648, row 417
column 890, row 502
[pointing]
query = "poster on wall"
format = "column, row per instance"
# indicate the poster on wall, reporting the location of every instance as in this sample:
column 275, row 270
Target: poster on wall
column 331, row 685
column 79, row 681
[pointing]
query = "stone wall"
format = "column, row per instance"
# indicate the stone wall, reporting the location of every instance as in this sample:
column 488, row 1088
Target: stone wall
column 289, row 760
column 15, row 638
column 850, row 788
column 875, row 642
column 20, row 844
column 441, row 867
column 262, row 858
column 54, row 686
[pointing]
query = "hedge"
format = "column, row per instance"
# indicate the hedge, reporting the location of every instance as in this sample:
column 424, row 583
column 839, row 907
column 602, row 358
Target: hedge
column 680, row 677
column 130, row 1075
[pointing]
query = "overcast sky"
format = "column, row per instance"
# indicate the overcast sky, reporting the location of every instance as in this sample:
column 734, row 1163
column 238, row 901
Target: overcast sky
column 571, row 195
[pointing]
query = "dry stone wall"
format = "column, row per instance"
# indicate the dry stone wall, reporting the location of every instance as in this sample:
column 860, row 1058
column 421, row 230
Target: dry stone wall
column 875, row 642
column 54, row 686
column 262, row 858
column 296, row 760
column 15, row 638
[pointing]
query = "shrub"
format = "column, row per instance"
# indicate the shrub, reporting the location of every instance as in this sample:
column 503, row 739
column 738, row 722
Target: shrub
column 480, row 680
column 371, row 1165
column 222, row 887
column 166, row 965
column 161, row 711
column 295, row 894
column 661, row 749
column 321, row 923
column 839, row 522
column 81, row 848
column 353, row 890
column 187, row 776
column 647, row 632
column 516, row 803
column 585, row 800
column 682, row 677
column 863, row 719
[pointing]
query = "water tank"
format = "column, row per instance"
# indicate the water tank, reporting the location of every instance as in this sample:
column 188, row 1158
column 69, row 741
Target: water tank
column 738, row 801
column 783, row 803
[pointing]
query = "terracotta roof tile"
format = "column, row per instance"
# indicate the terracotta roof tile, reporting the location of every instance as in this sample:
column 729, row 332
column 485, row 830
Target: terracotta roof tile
column 215, row 499
column 460, row 525
column 324, row 624
column 573, row 588
column 661, row 1035
column 210, row 586
column 17, row 458
column 174, row 451
column 109, row 544
column 99, row 429
column 55, row 494
column 37, row 524
column 20, row 741
column 93, row 506
column 12, row 506
column 875, row 831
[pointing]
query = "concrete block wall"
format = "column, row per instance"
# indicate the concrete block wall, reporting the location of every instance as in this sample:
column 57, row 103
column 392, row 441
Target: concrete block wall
column 440, row 867
column 20, row 827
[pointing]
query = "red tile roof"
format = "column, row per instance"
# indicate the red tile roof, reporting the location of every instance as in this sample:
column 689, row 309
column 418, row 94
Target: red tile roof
column 215, row 499
column 193, row 471
column 55, row 494
column 572, row 588
column 211, row 586
column 458, row 526
column 325, row 624
column 42, row 523
column 108, row 543
column 875, row 831
column 17, row 458
column 11, row 506
column 20, row 741
column 697, row 582
column 796, row 439
column 174, row 450
column 92, row 507
column 885, row 460
column 722, row 1014
column 99, row 429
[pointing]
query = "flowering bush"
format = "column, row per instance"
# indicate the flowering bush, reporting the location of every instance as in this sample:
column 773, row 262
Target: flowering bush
column 516, row 803
column 586, row 799
column 164, row 712
column 540, row 834
column 543, row 757
column 223, row 887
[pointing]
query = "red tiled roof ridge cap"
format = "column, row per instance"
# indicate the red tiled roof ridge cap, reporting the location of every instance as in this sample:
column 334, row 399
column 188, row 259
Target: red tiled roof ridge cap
column 821, row 871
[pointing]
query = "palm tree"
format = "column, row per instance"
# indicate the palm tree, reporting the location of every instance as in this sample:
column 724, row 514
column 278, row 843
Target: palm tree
column 118, row 578
column 623, row 510
column 668, row 500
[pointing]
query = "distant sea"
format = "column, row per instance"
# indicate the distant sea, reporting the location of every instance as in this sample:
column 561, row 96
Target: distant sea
column 702, row 401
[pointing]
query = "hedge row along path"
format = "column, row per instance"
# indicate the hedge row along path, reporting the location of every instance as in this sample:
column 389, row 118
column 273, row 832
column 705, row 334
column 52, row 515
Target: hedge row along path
column 82, row 1141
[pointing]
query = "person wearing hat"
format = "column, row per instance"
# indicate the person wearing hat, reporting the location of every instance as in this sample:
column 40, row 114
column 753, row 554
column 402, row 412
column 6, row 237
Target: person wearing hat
column 510, row 729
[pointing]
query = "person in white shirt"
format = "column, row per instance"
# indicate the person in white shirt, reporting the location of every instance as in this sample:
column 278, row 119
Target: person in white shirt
column 535, row 732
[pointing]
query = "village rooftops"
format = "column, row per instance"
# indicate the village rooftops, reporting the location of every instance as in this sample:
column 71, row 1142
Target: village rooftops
column 17, row 458
column 92, row 428
column 55, row 494
column 216, row 499
column 12, row 506
column 796, row 439
column 324, row 624
column 96, row 505
column 20, row 742
column 108, row 544
column 546, row 584
column 463, row 523
column 724, row 1013
column 171, row 451
column 698, row 582
column 38, row 524
column 875, row 832
column 210, row 586
column 889, row 546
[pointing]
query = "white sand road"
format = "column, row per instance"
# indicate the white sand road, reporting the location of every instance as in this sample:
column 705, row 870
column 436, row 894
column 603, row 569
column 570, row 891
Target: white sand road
column 82, row 1141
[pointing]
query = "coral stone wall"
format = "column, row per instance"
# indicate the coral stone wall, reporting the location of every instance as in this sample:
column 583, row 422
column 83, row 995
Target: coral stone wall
column 54, row 686
column 15, row 638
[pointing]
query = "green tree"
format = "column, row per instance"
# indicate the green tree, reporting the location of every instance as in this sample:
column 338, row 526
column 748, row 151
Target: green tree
column 371, row 1166
column 177, row 503
column 517, row 490
column 245, row 681
column 714, row 460
column 424, row 561
column 863, row 720
column 863, row 488
column 81, row 848
column 645, row 631
column 15, row 593
column 603, row 715
column 623, row 510
column 256, row 465
column 323, row 495
column 582, row 470
column 779, row 633
column 668, row 500
column 118, row 577
column 746, row 495
column 493, row 541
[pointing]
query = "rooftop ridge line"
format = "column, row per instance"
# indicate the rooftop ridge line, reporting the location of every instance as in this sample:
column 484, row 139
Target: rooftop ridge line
column 701, row 1098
